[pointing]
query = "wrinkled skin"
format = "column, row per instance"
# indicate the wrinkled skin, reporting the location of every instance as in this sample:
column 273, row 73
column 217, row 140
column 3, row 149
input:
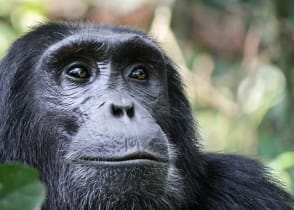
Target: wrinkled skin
column 100, row 112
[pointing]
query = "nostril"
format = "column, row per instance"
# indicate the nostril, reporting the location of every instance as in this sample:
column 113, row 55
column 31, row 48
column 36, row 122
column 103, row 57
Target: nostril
column 130, row 111
column 120, row 110
column 116, row 110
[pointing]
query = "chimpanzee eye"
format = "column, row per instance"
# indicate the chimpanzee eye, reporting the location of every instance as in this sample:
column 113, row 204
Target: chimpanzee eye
column 139, row 73
column 79, row 72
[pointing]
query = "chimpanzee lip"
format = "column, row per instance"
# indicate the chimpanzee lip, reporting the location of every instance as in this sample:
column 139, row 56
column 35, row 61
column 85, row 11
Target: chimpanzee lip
column 134, row 157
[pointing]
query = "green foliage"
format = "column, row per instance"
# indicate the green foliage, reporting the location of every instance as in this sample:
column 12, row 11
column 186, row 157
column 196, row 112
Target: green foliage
column 281, row 165
column 245, row 93
column 20, row 188
column 16, row 17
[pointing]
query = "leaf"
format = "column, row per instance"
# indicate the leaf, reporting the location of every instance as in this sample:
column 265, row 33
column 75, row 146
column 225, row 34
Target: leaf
column 20, row 188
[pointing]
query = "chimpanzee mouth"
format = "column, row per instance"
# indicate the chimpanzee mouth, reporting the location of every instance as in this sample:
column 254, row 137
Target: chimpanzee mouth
column 132, row 158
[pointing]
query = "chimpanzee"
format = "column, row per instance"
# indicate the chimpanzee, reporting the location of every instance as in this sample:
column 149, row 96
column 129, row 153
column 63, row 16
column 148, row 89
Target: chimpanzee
column 100, row 111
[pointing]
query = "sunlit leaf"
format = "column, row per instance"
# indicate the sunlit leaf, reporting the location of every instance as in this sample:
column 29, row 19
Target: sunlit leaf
column 20, row 188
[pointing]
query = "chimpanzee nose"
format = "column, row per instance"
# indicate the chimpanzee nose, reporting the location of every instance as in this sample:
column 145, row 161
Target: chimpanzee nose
column 119, row 109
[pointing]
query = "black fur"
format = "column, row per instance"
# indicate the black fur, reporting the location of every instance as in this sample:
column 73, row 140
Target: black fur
column 50, row 122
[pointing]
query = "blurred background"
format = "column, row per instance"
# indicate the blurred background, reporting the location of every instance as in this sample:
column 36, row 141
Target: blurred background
column 236, row 58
